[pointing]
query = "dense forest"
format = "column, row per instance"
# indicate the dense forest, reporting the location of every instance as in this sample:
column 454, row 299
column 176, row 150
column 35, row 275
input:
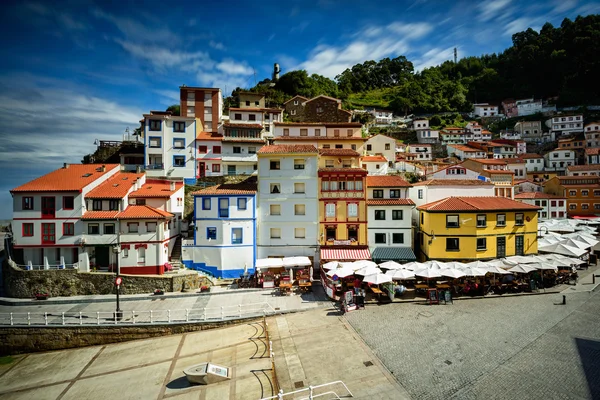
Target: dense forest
column 558, row 62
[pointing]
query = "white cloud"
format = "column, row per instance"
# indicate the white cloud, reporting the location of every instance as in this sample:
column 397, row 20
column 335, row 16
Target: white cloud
column 371, row 43
column 168, row 96
column 562, row 6
column 232, row 67
column 164, row 58
column 216, row 45
column 433, row 57
column 519, row 25
column 490, row 9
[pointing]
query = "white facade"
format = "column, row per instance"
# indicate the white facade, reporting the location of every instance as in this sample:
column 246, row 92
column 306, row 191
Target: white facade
column 169, row 144
column 381, row 145
column 552, row 208
column 558, row 160
column 288, row 212
column 567, row 124
column 419, row 124
column 534, row 163
column 375, row 165
column 209, row 155
column 517, row 166
column 510, row 135
column 485, row 110
column 422, row 152
column 528, row 107
column 463, row 152
column 592, row 134
column 454, row 172
column 382, row 117
column 265, row 117
column 428, row 136
column 239, row 157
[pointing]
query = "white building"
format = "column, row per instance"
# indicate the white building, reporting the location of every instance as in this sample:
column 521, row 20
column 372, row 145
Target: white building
column 552, row 206
column 592, row 134
column 456, row 171
column 485, row 110
column 224, row 243
column 533, row 162
column 382, row 117
column 584, row 170
column 452, row 135
column 288, row 201
column 592, row 155
column 424, row 133
column 240, row 143
column 507, row 135
column 209, row 153
column 375, row 165
column 419, row 152
column 265, row 117
column 322, row 135
column 389, row 219
column 558, row 160
column 566, row 124
column 169, row 145
column 382, row 145
column 463, row 151
column 528, row 106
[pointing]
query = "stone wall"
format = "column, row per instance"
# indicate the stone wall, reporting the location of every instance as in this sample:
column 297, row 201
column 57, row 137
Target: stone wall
column 330, row 111
column 70, row 282
column 20, row 340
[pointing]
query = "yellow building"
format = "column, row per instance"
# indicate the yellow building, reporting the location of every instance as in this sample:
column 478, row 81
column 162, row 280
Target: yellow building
column 477, row 228
column 342, row 206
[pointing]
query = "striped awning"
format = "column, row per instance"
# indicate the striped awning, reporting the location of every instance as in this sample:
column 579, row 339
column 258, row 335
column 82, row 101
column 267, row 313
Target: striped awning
column 345, row 254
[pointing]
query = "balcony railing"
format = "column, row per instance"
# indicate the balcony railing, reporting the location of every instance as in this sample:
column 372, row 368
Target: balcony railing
column 155, row 166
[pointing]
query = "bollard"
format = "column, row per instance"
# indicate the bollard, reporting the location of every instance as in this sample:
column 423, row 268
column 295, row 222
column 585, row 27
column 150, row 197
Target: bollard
column 46, row 318
column 80, row 318
column 150, row 316
column 169, row 315
column 564, row 299
column 98, row 317
column 28, row 318
column 11, row 318
column 187, row 315
column 63, row 318
column 133, row 316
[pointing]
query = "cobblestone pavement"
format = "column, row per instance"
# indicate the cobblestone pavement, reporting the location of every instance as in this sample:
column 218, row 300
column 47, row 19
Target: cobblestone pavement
column 526, row 347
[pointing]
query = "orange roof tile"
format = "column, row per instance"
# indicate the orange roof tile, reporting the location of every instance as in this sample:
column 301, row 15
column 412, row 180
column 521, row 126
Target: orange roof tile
column 453, row 182
column 156, row 189
column 390, row 202
column 115, row 187
column 242, row 188
column 288, row 148
column 537, row 195
column 467, row 149
column 338, row 152
column 373, row 159
column 143, row 212
column 209, row 136
column 492, row 161
column 589, row 167
column 71, row 179
column 100, row 215
column 386, row 181
column 530, row 155
column 490, row 203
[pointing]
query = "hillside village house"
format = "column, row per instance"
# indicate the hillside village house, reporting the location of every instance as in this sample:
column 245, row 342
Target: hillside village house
column 566, row 124
column 485, row 110
column 519, row 146
column 463, row 152
column 209, row 153
column 424, row 133
column 375, row 165
column 583, row 170
column 592, row 134
column 533, row 162
column 528, row 107
column 240, row 142
column 419, row 152
column 477, row 228
column 322, row 135
column 455, row 171
column 497, row 172
column 97, row 217
column 224, row 243
column 452, row 135
column 582, row 193
column 288, row 202
column 318, row 109
column 527, row 186
column 517, row 166
column 389, row 219
column 558, row 160
column 381, row 117
column 530, row 131
column 592, row 155
column 510, row 135
column 382, row 145
column 204, row 104
column 509, row 107
column 170, row 145
column 551, row 206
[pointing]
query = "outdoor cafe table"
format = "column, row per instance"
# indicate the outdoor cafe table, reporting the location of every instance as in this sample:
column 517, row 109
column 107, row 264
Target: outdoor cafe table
column 376, row 290
column 421, row 286
column 443, row 286
column 285, row 287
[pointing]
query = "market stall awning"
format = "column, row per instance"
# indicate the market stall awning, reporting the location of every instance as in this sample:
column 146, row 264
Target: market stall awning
column 345, row 254
column 381, row 254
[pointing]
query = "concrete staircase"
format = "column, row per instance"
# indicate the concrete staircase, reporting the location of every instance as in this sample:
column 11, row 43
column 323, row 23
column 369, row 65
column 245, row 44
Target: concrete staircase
column 176, row 253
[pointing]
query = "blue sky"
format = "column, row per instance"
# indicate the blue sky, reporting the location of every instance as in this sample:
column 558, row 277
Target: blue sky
column 76, row 71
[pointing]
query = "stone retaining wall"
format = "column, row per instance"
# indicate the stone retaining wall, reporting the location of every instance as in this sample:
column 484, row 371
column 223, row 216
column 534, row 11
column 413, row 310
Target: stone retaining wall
column 18, row 340
column 70, row 282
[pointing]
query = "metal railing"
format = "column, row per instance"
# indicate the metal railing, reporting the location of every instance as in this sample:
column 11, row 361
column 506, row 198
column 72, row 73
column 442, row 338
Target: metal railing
column 32, row 267
column 154, row 166
column 311, row 392
column 136, row 317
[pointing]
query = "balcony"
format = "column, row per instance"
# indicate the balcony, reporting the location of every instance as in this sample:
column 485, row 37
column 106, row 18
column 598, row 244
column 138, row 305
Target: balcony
column 343, row 194
column 154, row 166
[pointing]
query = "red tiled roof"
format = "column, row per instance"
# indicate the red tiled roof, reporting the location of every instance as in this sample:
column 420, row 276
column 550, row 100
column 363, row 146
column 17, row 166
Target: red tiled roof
column 386, row 181
column 530, row 155
column 71, row 179
column 489, row 203
column 589, row 167
column 337, row 139
column 296, row 97
column 327, row 124
column 143, row 212
column 157, row 189
column 209, row 136
column 537, row 195
column 453, row 182
column 464, row 148
column 338, row 152
column 288, row 148
column 242, row 125
column 242, row 139
column 100, row 215
column 495, row 171
column 594, row 151
column 228, row 188
column 390, row 202
column 373, row 159
column 116, row 187
column 494, row 161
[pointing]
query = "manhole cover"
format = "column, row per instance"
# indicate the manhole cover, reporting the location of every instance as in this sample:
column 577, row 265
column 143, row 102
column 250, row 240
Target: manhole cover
column 299, row 384
column 368, row 363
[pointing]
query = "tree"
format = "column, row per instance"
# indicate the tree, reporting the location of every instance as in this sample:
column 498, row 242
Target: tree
column 175, row 109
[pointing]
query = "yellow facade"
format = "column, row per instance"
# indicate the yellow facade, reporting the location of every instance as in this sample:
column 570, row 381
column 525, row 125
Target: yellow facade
column 435, row 233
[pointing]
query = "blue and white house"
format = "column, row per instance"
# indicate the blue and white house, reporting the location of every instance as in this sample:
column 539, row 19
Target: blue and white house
column 169, row 145
column 224, row 242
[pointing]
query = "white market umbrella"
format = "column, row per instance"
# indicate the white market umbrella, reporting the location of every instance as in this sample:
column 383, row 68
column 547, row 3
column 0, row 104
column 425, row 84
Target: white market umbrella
column 500, row 263
column 518, row 259
column 497, row 270
column 521, row 269
column 456, row 265
column 478, row 264
column 331, row 265
column 368, row 271
column 414, row 266
column 296, row 261
column 583, row 238
column 474, row 271
column 545, row 266
column 436, row 265
column 575, row 243
column 570, row 260
column 391, row 265
column 364, row 263
column 399, row 274
column 564, row 249
column 377, row 279
column 428, row 273
column 266, row 263
column 452, row 273
column 341, row 272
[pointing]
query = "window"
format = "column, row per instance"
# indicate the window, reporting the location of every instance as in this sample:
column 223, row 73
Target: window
column 179, row 161
column 237, row 117
column 27, row 230
column 378, row 194
column 27, row 203
column 68, row 202
column 353, row 147
column 452, row 244
column 224, row 208
column 299, row 209
column 252, row 150
column 369, row 147
column 217, row 149
column 274, row 164
column 206, row 203
column 330, row 210
column 275, row 233
column 191, row 110
column 202, row 149
column 140, row 202
column 561, row 203
column 48, row 233
column 349, row 133
column 397, row 214
column 133, row 227
column 380, row 238
column 328, row 163
column 299, row 164
column 336, row 133
column 339, row 146
column 387, row 146
column 585, row 206
column 353, row 210
column 178, row 126
column 452, row 221
column 572, row 206
column 584, row 192
column 379, row 215
column 326, row 146
column 93, row 229
column 237, row 150
column 572, row 192
column 237, row 235
column 394, row 193
column 113, row 205
column 150, row 226
column 317, row 132
column 211, row 233
column 208, row 126
column 319, row 110
column 299, row 233
column 519, row 219
column 155, row 124
column 155, row 142
column 97, row 205
column 275, row 188
column 252, row 117
column 501, row 220
column 247, row 102
column 241, row 203
column 299, row 187
column 481, row 221
column 295, row 102
column 286, row 132
column 275, row 209
column 109, row 229
column 481, row 244
column 207, row 110
column 216, row 168
column 303, row 132
column 397, row 238
column 420, row 193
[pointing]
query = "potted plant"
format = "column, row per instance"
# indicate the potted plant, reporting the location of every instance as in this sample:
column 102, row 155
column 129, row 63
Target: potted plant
column 158, row 292
column 204, row 288
column 41, row 295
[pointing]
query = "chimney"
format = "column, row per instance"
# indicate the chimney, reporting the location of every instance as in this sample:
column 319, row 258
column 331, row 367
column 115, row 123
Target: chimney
column 65, row 165
column 172, row 186
column 103, row 169
column 138, row 169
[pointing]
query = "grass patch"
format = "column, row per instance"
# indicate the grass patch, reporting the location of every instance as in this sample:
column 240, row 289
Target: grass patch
column 379, row 98
column 6, row 360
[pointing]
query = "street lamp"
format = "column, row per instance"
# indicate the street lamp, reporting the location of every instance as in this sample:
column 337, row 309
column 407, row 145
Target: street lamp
column 540, row 231
column 118, row 313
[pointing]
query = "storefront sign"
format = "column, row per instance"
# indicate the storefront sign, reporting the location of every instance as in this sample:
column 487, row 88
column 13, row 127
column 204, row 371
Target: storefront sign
column 341, row 243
